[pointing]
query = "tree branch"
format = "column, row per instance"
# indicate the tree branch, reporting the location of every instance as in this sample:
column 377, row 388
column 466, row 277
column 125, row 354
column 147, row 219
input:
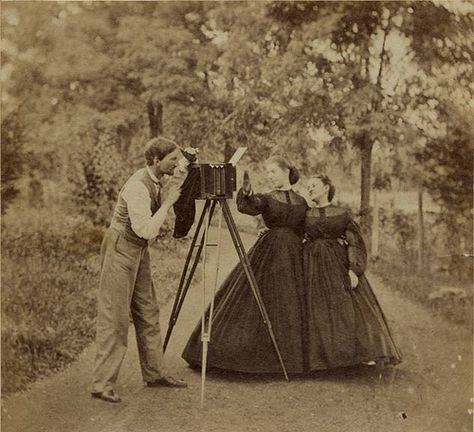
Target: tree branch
column 382, row 54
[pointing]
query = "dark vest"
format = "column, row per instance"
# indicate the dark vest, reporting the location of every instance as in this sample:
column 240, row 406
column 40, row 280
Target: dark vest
column 121, row 220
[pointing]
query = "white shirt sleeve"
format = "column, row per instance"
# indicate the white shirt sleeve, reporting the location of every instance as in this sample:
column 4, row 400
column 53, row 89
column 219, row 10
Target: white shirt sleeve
column 144, row 224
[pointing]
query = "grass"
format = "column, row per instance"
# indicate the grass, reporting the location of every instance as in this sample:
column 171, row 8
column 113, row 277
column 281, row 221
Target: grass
column 50, row 275
column 418, row 287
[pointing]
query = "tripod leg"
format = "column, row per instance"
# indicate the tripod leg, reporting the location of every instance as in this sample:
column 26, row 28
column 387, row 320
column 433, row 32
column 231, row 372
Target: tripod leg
column 216, row 277
column 186, row 282
column 251, row 278
column 207, row 323
column 196, row 262
column 203, row 369
column 179, row 293
column 204, row 332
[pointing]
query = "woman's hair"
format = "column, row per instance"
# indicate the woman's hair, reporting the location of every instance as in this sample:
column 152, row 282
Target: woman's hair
column 158, row 148
column 294, row 175
column 325, row 180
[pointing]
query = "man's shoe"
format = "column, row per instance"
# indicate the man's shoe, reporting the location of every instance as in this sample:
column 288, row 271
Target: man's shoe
column 107, row 395
column 167, row 381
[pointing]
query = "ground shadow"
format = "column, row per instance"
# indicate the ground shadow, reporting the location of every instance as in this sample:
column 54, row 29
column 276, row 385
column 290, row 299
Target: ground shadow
column 362, row 374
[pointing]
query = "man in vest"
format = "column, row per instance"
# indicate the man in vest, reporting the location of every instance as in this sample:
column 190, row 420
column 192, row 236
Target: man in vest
column 125, row 283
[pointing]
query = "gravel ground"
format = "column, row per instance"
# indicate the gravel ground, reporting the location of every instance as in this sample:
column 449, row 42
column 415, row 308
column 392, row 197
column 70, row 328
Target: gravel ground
column 430, row 391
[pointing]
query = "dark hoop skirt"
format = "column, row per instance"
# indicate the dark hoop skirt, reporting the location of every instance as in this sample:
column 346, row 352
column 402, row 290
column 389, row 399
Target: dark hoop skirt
column 240, row 340
column 345, row 326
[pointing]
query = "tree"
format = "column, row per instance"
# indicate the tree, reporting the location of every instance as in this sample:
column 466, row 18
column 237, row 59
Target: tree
column 361, row 55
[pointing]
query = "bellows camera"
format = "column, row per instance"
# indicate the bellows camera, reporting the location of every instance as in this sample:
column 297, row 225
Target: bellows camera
column 214, row 180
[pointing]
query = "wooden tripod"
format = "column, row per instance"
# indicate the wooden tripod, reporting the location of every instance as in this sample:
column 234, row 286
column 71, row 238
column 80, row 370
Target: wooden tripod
column 202, row 230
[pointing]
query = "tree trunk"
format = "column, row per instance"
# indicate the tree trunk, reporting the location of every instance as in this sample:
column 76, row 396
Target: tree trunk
column 365, row 187
column 155, row 116
column 421, row 234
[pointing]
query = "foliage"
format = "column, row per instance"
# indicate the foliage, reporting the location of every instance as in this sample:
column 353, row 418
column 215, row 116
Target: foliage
column 12, row 157
column 370, row 53
column 100, row 171
column 448, row 164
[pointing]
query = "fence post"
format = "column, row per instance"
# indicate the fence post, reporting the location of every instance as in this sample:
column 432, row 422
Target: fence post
column 421, row 233
column 375, row 226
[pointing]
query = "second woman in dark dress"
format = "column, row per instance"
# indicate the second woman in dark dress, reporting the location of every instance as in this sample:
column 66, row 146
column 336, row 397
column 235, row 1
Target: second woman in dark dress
column 240, row 340
column 346, row 325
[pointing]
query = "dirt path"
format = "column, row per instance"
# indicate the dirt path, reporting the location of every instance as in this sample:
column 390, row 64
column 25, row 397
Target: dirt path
column 430, row 391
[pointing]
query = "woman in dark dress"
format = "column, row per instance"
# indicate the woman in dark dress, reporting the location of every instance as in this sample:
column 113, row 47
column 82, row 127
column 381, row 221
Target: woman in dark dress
column 240, row 340
column 346, row 325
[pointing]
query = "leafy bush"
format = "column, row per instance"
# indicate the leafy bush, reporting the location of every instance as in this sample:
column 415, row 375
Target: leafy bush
column 99, row 172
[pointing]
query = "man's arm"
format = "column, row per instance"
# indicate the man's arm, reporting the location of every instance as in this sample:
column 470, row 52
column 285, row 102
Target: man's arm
column 144, row 224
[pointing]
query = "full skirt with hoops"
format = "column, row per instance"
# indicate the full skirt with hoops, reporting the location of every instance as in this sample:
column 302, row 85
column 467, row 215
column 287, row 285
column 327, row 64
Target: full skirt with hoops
column 240, row 340
column 345, row 326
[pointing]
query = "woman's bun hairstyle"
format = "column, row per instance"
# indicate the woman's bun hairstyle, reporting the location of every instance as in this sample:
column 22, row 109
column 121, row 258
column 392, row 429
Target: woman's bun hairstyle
column 294, row 175
column 327, row 181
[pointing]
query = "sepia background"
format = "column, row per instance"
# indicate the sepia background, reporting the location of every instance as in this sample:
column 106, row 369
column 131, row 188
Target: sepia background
column 378, row 95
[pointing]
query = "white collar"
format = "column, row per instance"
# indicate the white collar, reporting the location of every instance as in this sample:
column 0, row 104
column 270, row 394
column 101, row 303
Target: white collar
column 154, row 178
column 321, row 206
column 284, row 190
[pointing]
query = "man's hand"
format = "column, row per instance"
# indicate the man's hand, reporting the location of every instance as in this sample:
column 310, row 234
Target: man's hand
column 179, row 175
column 182, row 165
column 354, row 279
column 172, row 195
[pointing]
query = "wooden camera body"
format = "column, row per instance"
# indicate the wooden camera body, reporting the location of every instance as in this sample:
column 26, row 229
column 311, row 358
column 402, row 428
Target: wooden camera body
column 212, row 180
column 215, row 180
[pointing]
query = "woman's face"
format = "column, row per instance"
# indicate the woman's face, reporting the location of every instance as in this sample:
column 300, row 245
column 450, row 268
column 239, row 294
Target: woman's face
column 317, row 190
column 278, row 176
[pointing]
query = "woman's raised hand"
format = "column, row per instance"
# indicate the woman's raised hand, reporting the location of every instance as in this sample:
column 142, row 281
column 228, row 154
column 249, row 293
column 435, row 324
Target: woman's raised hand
column 246, row 186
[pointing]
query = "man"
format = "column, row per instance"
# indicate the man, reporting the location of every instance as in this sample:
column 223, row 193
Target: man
column 125, row 282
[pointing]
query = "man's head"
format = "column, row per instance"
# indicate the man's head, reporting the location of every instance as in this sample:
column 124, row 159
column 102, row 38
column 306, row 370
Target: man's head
column 162, row 155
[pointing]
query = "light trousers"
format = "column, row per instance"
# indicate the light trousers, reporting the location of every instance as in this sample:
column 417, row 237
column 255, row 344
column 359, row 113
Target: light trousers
column 126, row 288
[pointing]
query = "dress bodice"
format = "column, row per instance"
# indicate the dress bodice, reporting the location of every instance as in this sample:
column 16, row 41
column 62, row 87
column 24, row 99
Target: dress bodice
column 279, row 209
column 329, row 222
column 333, row 223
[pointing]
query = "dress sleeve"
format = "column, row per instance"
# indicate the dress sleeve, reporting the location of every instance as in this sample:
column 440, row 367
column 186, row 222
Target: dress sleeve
column 357, row 252
column 253, row 204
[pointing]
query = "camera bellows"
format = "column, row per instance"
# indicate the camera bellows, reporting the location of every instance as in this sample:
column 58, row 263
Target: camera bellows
column 217, row 180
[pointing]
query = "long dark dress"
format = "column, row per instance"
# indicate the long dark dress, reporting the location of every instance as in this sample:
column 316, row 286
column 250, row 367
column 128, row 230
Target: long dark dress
column 240, row 340
column 345, row 326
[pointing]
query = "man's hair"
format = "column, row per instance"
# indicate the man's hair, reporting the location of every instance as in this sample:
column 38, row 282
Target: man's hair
column 158, row 148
